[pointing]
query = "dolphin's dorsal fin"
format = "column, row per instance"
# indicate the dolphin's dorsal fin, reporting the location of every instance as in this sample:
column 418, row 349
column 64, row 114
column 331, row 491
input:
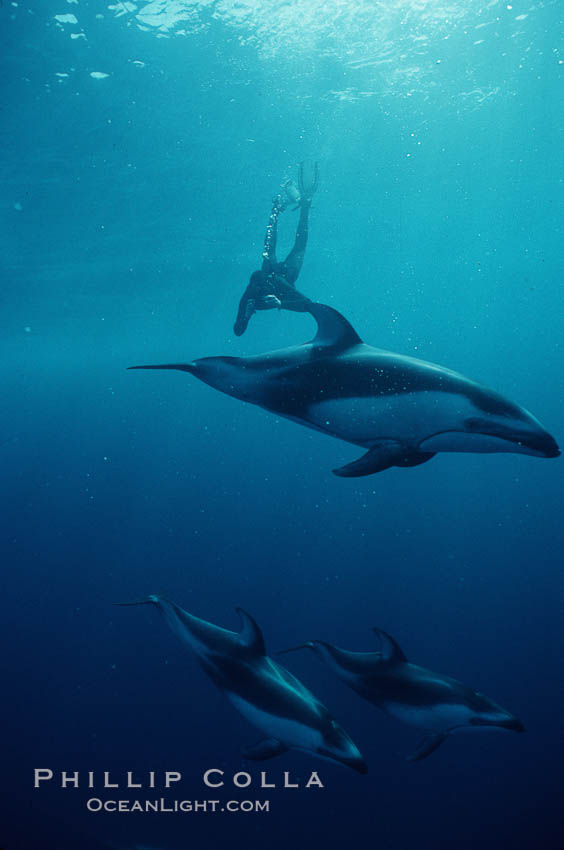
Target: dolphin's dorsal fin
column 391, row 650
column 250, row 634
column 333, row 330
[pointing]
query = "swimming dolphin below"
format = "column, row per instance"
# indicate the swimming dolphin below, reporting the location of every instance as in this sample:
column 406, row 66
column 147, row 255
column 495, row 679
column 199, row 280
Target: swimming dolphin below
column 430, row 701
column 264, row 692
column 400, row 409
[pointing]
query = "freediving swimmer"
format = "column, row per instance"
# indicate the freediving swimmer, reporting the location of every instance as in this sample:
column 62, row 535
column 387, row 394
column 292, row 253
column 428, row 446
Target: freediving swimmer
column 274, row 284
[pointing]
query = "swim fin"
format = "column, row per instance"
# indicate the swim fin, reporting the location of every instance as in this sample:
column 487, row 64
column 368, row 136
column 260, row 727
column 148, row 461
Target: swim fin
column 308, row 180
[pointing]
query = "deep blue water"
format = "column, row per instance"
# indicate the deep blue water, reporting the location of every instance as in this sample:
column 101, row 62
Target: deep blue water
column 133, row 212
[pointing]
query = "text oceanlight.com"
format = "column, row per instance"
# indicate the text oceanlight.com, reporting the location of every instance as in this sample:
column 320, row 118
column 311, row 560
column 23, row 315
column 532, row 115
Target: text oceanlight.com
column 184, row 806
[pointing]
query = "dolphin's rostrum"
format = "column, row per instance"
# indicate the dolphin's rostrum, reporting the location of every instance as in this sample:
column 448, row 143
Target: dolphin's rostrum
column 430, row 701
column 264, row 692
column 400, row 409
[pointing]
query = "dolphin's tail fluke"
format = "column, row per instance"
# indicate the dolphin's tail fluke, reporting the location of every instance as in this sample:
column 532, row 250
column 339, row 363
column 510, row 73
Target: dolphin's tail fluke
column 182, row 367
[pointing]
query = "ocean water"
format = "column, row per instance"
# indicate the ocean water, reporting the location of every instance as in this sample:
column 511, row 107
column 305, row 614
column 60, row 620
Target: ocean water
column 141, row 147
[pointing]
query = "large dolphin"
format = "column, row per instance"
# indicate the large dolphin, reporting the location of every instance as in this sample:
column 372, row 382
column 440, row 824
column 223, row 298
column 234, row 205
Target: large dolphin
column 435, row 703
column 260, row 689
column 402, row 410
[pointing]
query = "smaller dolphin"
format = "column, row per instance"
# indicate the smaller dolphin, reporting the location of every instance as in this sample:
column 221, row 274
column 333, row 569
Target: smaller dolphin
column 269, row 696
column 430, row 701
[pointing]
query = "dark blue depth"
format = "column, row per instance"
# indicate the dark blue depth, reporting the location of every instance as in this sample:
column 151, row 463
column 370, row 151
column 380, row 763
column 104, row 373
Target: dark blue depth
column 133, row 212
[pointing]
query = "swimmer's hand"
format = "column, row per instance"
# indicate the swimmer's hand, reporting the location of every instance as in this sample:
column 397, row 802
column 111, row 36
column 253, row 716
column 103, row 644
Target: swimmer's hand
column 291, row 193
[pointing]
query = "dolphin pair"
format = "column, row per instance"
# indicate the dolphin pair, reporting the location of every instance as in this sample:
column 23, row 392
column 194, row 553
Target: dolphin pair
column 430, row 701
column 264, row 692
column 400, row 409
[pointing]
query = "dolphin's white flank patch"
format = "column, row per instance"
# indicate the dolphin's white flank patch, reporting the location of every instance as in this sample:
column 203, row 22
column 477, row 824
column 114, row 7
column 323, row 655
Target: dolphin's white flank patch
column 406, row 417
column 438, row 718
column 457, row 441
column 283, row 729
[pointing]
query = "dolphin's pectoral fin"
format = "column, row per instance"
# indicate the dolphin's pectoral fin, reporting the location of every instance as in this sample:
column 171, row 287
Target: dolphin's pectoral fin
column 376, row 459
column 266, row 749
column 250, row 634
column 427, row 746
column 415, row 459
column 382, row 456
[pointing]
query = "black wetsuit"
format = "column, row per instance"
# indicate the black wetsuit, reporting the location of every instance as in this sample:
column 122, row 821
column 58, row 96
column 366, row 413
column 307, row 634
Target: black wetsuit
column 274, row 285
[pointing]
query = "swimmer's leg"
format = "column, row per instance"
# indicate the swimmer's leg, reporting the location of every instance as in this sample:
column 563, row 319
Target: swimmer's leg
column 294, row 260
column 247, row 307
column 290, row 298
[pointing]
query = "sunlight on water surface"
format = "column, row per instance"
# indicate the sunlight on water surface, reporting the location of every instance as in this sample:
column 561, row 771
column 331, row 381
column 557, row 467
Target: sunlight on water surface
column 392, row 47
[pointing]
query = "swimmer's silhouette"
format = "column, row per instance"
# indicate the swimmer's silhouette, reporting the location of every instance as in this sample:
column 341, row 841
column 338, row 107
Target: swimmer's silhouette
column 274, row 284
